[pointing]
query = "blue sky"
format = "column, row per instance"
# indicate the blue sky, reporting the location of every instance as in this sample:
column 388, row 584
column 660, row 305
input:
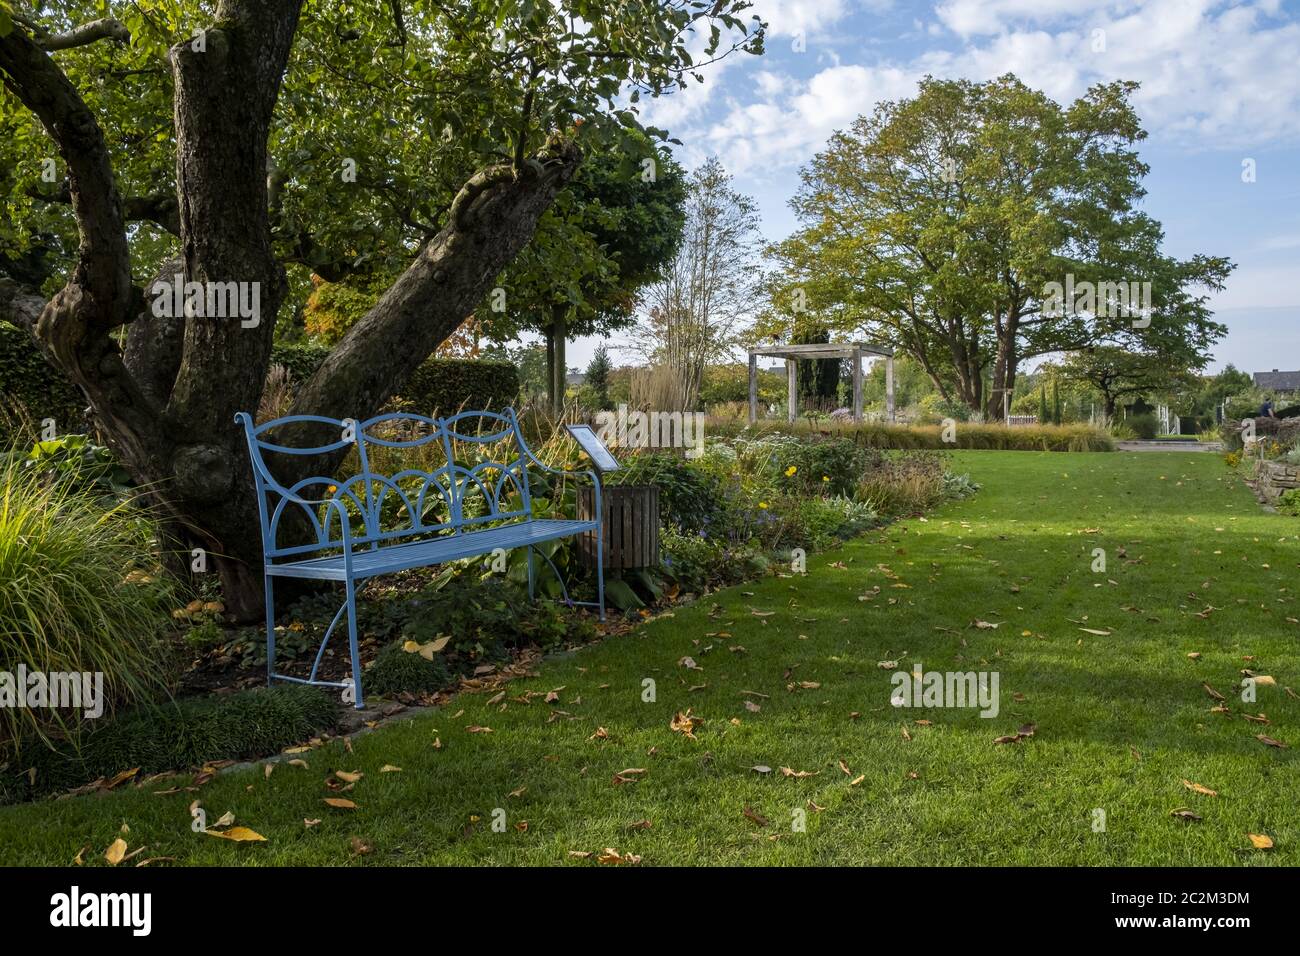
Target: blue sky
column 1220, row 85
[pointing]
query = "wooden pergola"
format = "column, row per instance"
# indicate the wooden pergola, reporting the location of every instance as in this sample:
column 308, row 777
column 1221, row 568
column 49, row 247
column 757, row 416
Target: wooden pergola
column 793, row 354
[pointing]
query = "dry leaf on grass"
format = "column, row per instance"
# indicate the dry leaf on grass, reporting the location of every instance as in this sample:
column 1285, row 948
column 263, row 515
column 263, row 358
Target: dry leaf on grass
column 685, row 723
column 611, row 857
column 238, row 835
column 115, row 852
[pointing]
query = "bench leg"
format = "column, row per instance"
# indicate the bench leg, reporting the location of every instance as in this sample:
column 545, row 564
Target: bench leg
column 600, row 570
column 532, row 576
column 352, row 642
column 270, row 631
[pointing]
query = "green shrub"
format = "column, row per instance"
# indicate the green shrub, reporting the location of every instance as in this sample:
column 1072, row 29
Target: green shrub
column 396, row 671
column 1289, row 502
column 444, row 386
column 823, row 520
column 74, row 596
column 300, row 358
column 84, row 464
column 1146, row 426
column 904, row 484
column 177, row 735
column 959, row 486
column 823, row 466
column 987, row 437
column 698, row 562
column 31, row 389
column 689, row 495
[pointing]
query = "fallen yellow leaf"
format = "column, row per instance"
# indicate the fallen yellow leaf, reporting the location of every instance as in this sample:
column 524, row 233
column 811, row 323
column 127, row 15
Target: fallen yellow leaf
column 238, row 835
column 115, row 852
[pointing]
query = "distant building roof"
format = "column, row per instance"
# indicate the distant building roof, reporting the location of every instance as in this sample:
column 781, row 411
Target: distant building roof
column 1278, row 381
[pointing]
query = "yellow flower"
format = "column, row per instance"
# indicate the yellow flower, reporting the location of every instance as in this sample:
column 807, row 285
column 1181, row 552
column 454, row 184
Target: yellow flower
column 825, row 478
column 789, row 472
column 762, row 504
column 333, row 488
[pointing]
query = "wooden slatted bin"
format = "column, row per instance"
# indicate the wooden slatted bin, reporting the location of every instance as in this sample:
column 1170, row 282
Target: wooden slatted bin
column 631, row 525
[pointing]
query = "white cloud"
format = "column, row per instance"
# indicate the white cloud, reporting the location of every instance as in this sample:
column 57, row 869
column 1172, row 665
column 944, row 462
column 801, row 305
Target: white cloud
column 788, row 18
column 1213, row 74
column 790, row 125
column 984, row 17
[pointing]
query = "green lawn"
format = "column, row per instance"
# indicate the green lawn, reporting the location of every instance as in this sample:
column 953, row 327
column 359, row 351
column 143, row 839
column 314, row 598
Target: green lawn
column 1121, row 718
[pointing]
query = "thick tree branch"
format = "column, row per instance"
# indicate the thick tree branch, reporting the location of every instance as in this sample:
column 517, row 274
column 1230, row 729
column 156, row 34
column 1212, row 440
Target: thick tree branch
column 492, row 218
column 87, row 33
column 73, row 328
column 158, row 208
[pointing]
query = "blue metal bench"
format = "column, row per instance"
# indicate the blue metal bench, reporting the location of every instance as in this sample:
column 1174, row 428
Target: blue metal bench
column 461, row 509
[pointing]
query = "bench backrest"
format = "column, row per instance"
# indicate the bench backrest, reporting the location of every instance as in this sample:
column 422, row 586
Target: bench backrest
column 472, row 470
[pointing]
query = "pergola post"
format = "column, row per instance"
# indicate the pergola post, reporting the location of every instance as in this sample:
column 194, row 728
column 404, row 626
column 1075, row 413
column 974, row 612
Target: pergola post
column 753, row 388
column 889, row 388
column 857, row 386
column 791, row 389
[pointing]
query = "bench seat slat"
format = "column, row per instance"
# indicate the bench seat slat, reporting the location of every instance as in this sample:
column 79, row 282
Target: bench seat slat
column 417, row 554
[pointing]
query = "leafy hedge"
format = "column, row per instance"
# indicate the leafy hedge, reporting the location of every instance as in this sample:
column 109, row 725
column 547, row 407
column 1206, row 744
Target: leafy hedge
column 439, row 386
column 992, row 437
column 176, row 736
column 32, row 388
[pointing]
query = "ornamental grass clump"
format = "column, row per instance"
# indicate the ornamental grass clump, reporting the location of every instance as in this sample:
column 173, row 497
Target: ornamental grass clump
column 77, row 596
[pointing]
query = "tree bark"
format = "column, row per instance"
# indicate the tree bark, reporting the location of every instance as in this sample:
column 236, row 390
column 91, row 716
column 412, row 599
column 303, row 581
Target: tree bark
column 557, row 339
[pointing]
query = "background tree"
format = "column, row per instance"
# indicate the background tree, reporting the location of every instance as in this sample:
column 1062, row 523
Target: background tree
column 608, row 236
column 714, row 282
column 597, row 378
column 1118, row 373
column 818, row 380
column 936, row 223
column 248, row 136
